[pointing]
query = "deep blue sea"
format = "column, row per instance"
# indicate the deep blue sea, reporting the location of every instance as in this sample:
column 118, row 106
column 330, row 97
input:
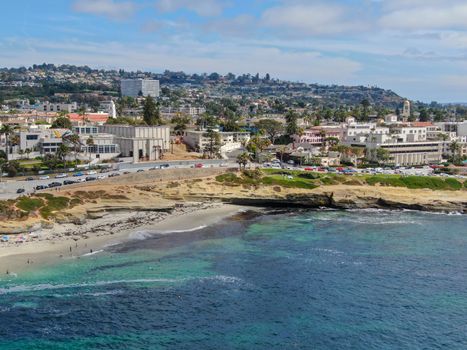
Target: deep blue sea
column 291, row 280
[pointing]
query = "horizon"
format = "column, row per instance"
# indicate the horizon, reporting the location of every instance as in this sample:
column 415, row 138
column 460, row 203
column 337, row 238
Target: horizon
column 337, row 42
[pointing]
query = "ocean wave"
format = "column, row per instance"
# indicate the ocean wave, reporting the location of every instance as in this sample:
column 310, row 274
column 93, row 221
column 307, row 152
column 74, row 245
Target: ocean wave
column 46, row 286
column 330, row 251
column 181, row 231
column 93, row 253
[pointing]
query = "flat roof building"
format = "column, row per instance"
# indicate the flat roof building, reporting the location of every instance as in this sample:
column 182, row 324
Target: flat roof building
column 140, row 87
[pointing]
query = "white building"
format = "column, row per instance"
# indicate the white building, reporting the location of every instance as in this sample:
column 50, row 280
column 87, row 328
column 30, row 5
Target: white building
column 140, row 87
column 230, row 141
column 140, row 142
column 102, row 146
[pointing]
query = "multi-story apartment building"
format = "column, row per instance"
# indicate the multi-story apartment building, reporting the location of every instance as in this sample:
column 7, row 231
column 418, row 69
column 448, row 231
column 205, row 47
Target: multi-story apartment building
column 140, row 142
column 57, row 107
column 230, row 141
column 317, row 135
column 140, row 87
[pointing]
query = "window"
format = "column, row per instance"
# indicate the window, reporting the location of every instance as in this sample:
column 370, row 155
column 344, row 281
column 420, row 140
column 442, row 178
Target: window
column 32, row 137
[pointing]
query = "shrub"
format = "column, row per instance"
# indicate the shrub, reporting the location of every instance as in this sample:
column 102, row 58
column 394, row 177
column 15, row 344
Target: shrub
column 229, row 177
column 29, row 204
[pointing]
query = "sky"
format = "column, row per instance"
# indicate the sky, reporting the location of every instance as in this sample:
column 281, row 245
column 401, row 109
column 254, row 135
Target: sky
column 417, row 48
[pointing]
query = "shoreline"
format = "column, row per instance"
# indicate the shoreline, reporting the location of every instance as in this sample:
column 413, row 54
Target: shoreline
column 56, row 244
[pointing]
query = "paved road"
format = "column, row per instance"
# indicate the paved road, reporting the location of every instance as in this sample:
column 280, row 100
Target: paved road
column 8, row 187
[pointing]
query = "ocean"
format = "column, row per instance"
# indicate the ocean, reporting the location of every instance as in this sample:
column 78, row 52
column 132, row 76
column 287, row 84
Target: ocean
column 284, row 280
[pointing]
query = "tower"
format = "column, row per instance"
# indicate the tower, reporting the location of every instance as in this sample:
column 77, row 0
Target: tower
column 406, row 109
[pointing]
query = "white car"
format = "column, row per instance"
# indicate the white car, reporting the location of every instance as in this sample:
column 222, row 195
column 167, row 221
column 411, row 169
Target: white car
column 91, row 172
column 44, row 177
column 59, row 176
column 81, row 179
column 101, row 177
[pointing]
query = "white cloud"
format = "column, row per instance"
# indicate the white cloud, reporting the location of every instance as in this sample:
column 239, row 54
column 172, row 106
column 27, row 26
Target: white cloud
column 205, row 8
column 430, row 15
column 300, row 19
column 107, row 8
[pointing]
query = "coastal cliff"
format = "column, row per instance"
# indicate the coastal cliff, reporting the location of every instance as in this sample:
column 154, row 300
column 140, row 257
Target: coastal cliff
column 166, row 190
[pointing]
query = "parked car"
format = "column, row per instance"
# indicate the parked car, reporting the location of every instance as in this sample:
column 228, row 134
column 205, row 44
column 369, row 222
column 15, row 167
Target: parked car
column 40, row 187
column 44, row 177
column 140, row 170
column 91, row 172
column 102, row 177
column 81, row 179
column 60, row 176
column 114, row 175
column 55, row 184
column 69, row 182
column 199, row 165
column 30, row 178
column 126, row 173
column 165, row 166
column 91, row 178
column 20, row 190
column 78, row 174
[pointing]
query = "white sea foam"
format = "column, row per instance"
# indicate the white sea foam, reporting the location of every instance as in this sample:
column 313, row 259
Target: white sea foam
column 181, row 231
column 93, row 253
column 46, row 286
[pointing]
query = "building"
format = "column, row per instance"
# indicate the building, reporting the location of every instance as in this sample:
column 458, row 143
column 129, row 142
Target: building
column 318, row 135
column 230, row 141
column 142, row 143
column 109, row 108
column 140, row 88
column 97, row 145
column 41, row 141
column 406, row 109
column 57, row 107
column 88, row 118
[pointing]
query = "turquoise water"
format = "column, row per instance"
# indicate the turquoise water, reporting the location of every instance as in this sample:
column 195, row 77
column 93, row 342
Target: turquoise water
column 302, row 280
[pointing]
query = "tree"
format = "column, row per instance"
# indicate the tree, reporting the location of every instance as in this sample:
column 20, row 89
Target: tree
column 365, row 105
column 180, row 122
column 272, row 128
column 62, row 123
column 423, row 117
column 382, row 155
column 7, row 130
column 243, row 159
column 89, row 143
column 11, row 167
column 291, row 118
column 151, row 113
column 214, row 143
column 455, row 149
column 27, row 151
column 62, row 153
column 257, row 145
column 82, row 113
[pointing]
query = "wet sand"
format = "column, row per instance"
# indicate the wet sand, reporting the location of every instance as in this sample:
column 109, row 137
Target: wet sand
column 23, row 257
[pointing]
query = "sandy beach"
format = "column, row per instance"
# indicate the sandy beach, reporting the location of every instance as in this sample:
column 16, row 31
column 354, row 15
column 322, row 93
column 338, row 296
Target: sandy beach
column 69, row 241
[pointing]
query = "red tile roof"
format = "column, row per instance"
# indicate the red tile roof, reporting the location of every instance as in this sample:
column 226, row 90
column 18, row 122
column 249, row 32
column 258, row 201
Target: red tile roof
column 92, row 117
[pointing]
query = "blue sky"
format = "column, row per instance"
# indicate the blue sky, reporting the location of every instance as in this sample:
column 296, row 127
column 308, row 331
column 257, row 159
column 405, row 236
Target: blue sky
column 417, row 48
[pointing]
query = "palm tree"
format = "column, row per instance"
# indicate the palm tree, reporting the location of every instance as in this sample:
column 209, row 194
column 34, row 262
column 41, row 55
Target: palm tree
column 282, row 150
column 6, row 130
column 27, row 151
column 90, row 143
column 62, row 152
column 82, row 113
column 21, row 153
